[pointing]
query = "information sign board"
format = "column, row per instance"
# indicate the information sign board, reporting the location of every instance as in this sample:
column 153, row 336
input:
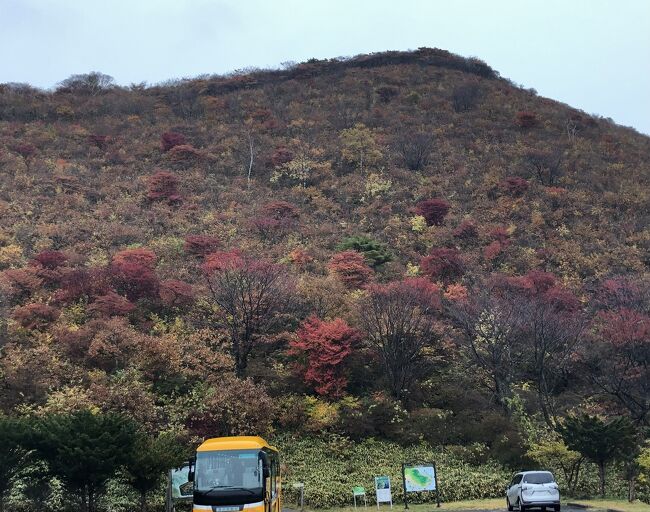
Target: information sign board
column 382, row 490
column 420, row 478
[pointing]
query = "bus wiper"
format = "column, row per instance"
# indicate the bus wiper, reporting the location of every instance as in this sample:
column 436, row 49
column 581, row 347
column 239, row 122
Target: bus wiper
column 229, row 487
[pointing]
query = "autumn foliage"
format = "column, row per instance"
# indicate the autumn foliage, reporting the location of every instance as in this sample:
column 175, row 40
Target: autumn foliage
column 35, row 315
column 514, row 186
column 184, row 153
column 168, row 140
column 350, row 268
column 525, row 119
column 254, row 297
column 281, row 155
column 433, row 210
column 221, row 261
column 444, row 264
column 111, row 304
column 467, row 230
column 322, row 349
column 135, row 281
column 175, row 293
column 163, row 185
column 234, row 407
column 24, row 149
column 50, row 259
column 139, row 256
column 400, row 319
column 82, row 283
column 625, row 328
column 281, row 210
column 100, row 141
column 402, row 245
column 201, row 245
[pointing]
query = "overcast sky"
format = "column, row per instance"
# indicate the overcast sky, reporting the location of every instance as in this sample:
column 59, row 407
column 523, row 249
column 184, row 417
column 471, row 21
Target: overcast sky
column 591, row 54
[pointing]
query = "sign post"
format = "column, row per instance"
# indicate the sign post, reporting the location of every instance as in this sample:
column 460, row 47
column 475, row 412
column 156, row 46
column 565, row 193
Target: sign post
column 406, row 501
column 382, row 490
column 359, row 491
column 301, row 486
column 420, row 477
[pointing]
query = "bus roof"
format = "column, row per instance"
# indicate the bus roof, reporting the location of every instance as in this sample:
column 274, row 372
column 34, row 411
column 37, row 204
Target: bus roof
column 234, row 443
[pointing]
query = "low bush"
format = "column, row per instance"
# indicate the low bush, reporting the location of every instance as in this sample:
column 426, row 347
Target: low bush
column 331, row 466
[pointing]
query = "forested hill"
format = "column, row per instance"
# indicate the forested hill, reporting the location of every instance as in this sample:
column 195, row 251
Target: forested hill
column 260, row 235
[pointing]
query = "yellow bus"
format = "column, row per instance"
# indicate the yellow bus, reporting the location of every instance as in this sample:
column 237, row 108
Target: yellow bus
column 236, row 473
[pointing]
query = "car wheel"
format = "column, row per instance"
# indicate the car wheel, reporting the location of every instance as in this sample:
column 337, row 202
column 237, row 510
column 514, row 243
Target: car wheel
column 510, row 507
column 556, row 508
column 522, row 508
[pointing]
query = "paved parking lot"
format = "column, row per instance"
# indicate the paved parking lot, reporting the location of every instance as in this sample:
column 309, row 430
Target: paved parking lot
column 503, row 509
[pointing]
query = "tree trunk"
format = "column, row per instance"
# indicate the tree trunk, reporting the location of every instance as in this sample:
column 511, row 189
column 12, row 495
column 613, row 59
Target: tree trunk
column 544, row 409
column 601, row 475
column 241, row 363
column 91, row 501
column 542, row 395
column 575, row 473
column 502, row 393
column 237, row 351
column 631, row 489
column 84, row 499
column 252, row 158
column 143, row 501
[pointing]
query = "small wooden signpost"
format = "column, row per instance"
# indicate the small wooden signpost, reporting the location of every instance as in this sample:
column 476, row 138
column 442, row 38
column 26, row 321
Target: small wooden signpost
column 359, row 491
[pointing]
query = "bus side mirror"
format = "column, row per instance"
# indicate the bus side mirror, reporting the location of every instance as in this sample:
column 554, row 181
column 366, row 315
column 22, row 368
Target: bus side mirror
column 190, row 472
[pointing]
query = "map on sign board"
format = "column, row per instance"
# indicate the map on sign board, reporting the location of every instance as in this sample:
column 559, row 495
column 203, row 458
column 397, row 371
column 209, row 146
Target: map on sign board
column 419, row 478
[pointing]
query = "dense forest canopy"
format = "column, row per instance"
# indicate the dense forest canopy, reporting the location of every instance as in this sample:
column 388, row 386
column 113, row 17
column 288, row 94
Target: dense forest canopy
column 402, row 246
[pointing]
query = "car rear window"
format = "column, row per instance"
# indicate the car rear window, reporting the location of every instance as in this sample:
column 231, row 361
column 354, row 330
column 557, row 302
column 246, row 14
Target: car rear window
column 538, row 478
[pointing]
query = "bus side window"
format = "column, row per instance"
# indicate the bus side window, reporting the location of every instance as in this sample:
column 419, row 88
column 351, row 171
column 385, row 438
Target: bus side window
column 274, row 473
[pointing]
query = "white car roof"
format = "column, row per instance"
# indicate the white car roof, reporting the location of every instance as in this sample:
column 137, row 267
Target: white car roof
column 534, row 471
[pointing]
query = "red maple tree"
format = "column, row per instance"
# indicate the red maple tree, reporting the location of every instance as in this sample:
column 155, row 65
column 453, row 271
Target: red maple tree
column 445, row 264
column 433, row 210
column 323, row 348
column 138, row 256
column 351, row 269
column 168, row 140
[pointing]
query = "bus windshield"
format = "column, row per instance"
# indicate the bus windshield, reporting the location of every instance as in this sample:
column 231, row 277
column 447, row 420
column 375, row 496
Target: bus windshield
column 229, row 473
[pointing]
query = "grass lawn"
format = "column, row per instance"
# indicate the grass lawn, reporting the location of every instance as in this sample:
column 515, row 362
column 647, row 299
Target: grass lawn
column 622, row 505
column 490, row 504
column 495, row 503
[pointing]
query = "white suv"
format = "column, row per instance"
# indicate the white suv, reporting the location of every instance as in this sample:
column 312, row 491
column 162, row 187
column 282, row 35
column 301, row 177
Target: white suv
column 530, row 489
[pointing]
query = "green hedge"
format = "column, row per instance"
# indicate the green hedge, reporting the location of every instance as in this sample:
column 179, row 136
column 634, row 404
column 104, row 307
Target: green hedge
column 330, row 467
